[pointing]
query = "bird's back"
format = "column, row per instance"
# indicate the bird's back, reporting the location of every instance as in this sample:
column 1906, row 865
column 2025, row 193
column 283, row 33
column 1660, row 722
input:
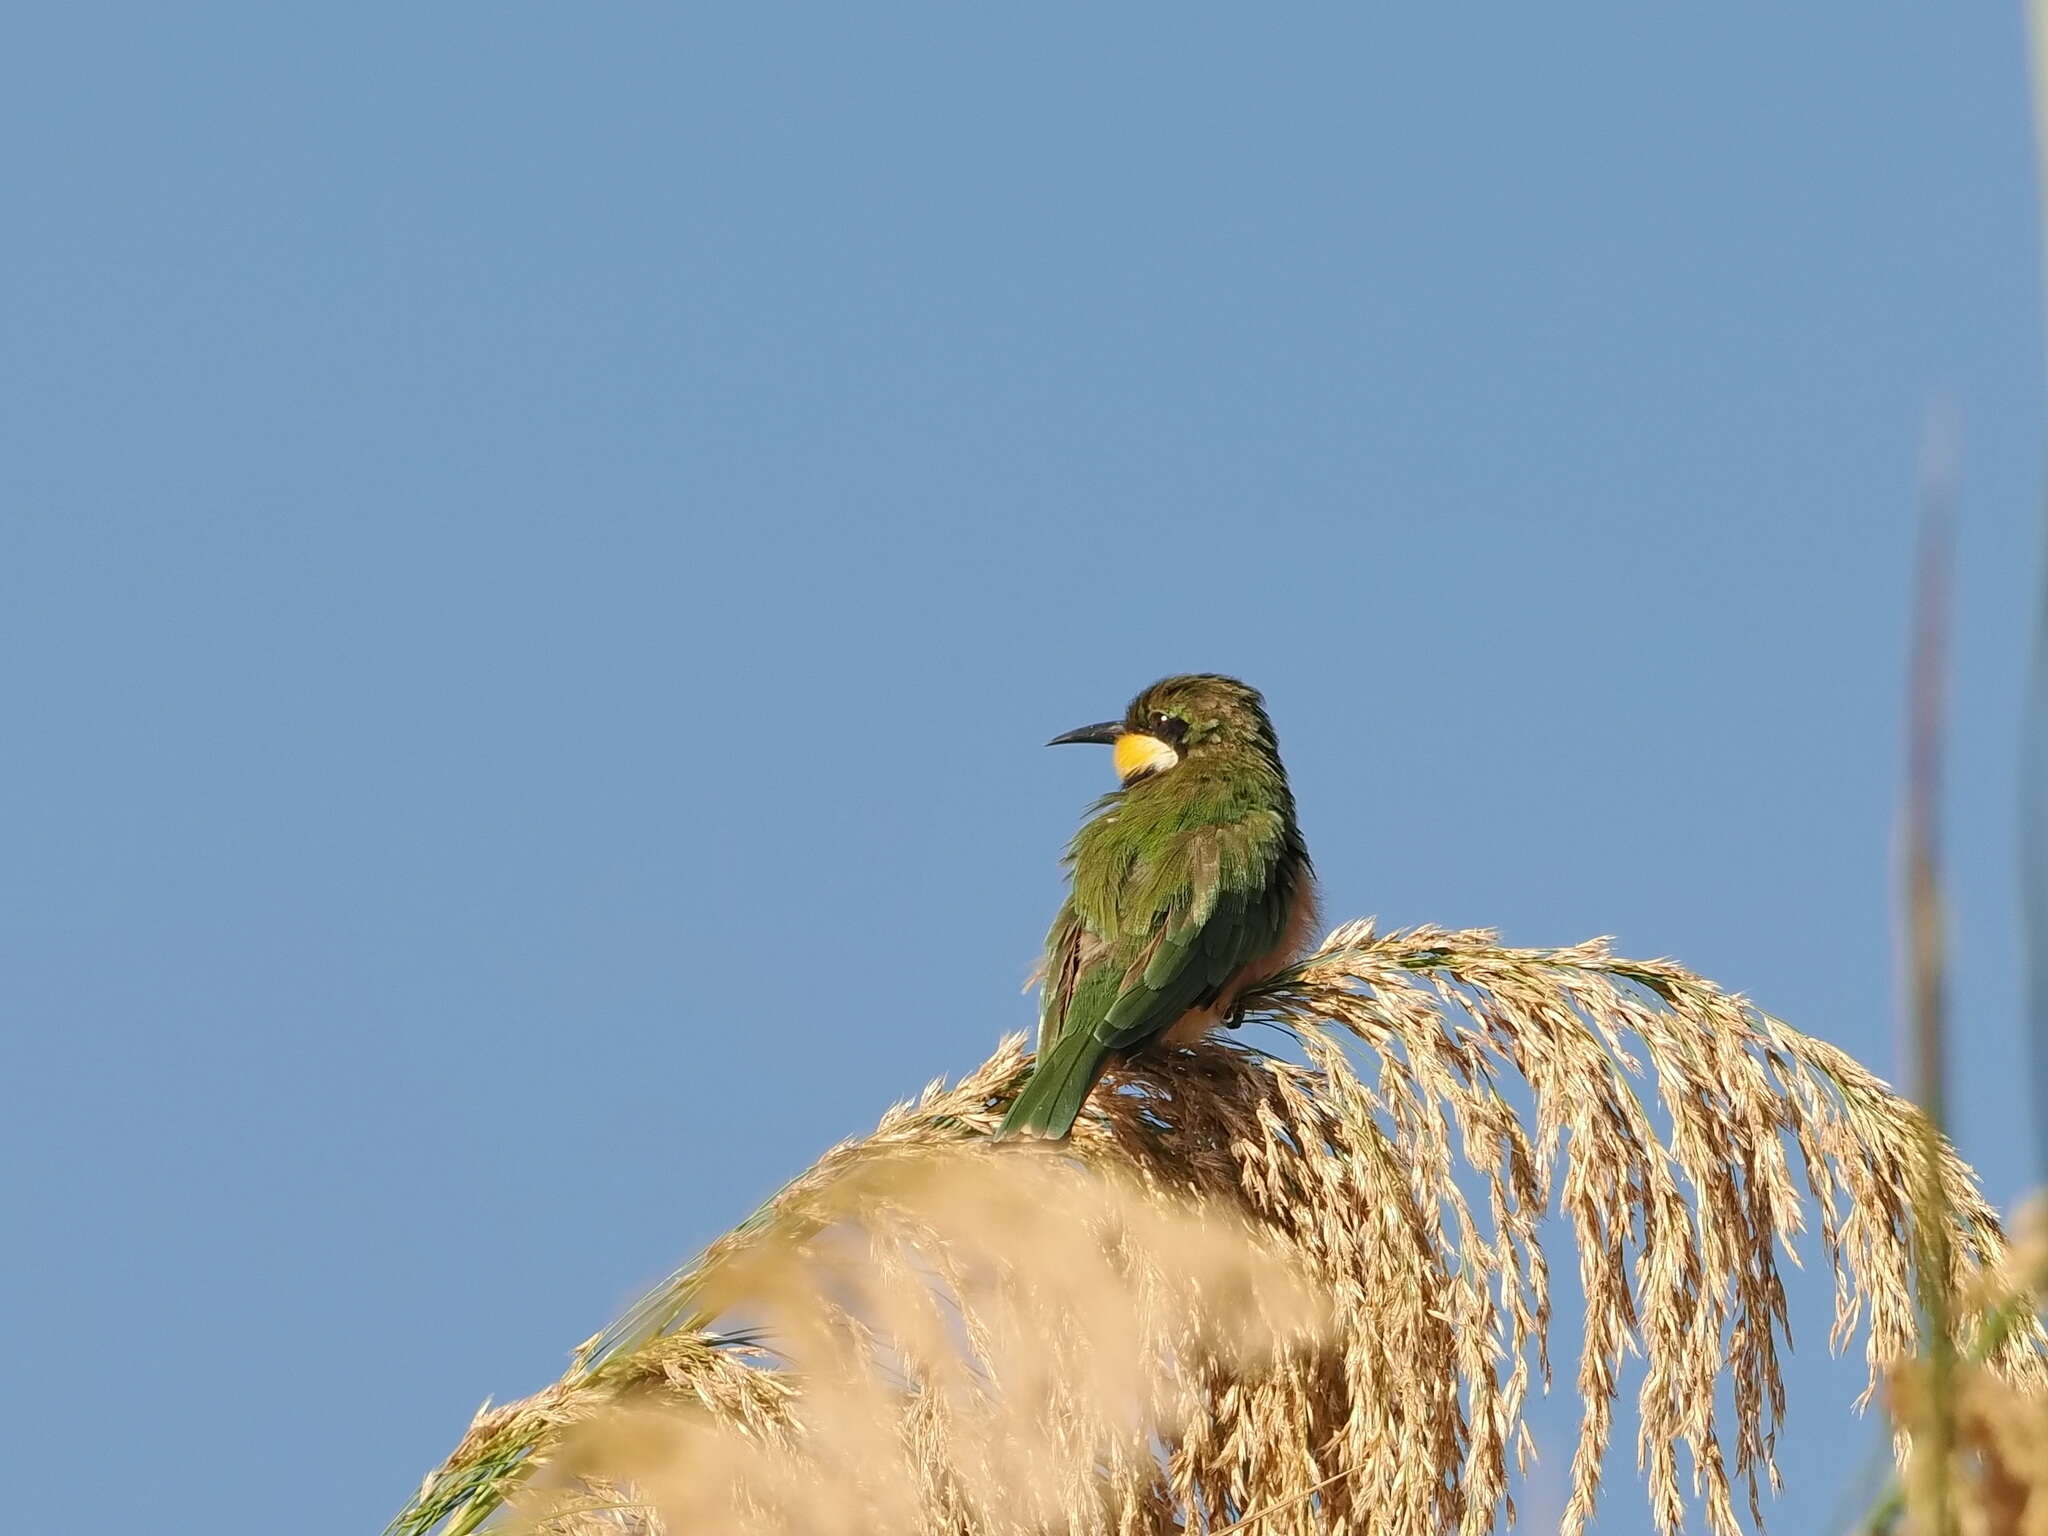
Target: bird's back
column 1179, row 885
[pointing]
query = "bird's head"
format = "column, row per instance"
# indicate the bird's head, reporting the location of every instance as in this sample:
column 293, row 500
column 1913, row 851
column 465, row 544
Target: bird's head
column 1182, row 718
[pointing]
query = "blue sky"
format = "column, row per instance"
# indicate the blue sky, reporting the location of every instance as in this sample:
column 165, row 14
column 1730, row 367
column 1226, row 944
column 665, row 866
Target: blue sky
column 540, row 545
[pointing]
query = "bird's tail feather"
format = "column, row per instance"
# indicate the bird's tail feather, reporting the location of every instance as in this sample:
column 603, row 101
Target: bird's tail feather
column 1060, row 1085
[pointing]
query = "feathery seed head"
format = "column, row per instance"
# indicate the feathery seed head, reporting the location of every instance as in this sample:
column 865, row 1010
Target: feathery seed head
column 1286, row 1299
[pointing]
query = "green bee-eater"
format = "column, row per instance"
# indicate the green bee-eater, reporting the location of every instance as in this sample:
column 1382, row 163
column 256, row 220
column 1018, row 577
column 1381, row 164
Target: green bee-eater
column 1189, row 883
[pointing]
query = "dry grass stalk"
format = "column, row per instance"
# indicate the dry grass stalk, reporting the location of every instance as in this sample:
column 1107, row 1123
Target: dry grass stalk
column 1997, row 1482
column 1408, row 1195
column 1994, row 1481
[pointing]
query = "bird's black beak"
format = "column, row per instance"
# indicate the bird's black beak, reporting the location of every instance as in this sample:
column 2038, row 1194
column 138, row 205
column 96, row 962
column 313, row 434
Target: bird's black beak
column 1102, row 735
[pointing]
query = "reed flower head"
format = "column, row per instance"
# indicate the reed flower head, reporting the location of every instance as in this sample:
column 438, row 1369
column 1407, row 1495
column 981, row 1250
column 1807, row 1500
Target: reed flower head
column 1307, row 1295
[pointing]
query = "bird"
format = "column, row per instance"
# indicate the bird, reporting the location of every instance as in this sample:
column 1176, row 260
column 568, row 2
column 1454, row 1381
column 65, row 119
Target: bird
column 1187, row 884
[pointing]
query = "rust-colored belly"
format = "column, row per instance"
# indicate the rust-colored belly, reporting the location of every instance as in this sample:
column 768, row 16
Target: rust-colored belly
column 1294, row 942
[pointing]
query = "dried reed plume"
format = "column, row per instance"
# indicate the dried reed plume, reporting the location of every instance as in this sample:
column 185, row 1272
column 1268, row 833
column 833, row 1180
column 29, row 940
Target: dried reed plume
column 1305, row 1297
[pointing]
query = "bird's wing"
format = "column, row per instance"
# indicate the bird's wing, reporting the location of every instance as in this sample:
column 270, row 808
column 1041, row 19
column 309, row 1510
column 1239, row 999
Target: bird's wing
column 1076, row 984
column 1213, row 903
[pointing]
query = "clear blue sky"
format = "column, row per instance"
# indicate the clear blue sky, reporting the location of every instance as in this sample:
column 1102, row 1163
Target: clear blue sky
column 540, row 545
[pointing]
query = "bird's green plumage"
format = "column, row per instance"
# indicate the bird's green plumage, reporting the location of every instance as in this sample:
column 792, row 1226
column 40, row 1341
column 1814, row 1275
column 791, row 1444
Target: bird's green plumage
column 1181, row 881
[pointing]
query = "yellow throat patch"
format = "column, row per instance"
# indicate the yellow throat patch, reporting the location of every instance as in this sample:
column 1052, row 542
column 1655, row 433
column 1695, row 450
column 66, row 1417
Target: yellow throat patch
column 1138, row 754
